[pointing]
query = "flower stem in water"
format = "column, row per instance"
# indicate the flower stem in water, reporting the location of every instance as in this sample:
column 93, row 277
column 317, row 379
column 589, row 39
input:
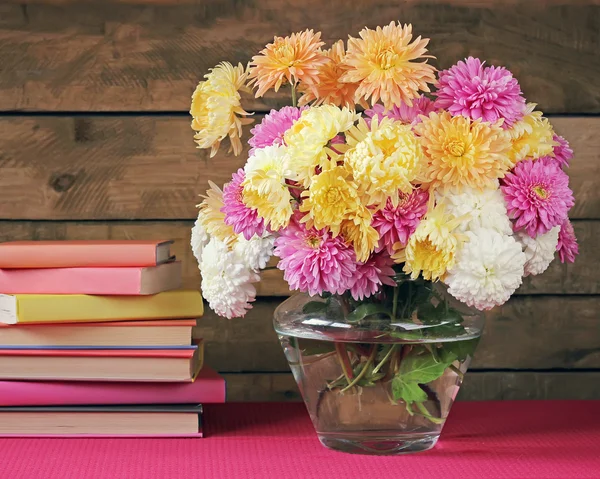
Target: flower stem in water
column 363, row 370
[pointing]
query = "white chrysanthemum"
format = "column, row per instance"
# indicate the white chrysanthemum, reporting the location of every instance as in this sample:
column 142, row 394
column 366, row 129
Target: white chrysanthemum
column 539, row 251
column 489, row 268
column 255, row 252
column 482, row 208
column 198, row 240
column 226, row 280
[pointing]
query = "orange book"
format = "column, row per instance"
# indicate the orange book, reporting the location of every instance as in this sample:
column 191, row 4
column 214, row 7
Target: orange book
column 77, row 254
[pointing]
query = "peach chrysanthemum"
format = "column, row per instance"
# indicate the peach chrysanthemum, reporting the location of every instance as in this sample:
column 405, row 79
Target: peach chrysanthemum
column 216, row 108
column 357, row 230
column 309, row 138
column 532, row 137
column 211, row 218
column 383, row 62
column 462, row 151
column 383, row 158
column 431, row 249
column 330, row 90
column 292, row 59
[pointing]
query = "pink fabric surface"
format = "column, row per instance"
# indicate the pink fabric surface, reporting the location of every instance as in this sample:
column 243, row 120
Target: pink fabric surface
column 529, row 439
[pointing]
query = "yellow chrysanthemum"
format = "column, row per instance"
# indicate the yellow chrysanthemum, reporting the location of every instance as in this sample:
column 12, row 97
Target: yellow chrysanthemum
column 383, row 158
column 308, row 139
column 216, row 108
column 532, row 137
column 383, row 62
column 211, row 218
column 432, row 247
column 264, row 187
column 332, row 196
column 358, row 231
column 292, row 59
column 463, row 152
column 330, row 90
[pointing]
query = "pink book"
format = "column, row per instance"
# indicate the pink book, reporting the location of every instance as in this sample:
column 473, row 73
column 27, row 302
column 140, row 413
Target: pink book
column 98, row 281
column 84, row 254
column 209, row 387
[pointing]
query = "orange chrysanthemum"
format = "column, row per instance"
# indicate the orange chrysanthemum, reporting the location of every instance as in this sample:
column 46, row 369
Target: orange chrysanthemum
column 383, row 62
column 462, row 151
column 292, row 59
column 330, row 90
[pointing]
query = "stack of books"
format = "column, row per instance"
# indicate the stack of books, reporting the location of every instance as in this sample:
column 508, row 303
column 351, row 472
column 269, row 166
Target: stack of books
column 96, row 339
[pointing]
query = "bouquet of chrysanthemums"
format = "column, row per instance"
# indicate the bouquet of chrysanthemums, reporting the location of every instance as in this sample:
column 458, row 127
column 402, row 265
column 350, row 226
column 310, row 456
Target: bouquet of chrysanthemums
column 450, row 175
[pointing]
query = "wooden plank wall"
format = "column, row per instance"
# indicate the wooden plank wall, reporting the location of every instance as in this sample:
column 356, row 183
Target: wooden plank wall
column 95, row 143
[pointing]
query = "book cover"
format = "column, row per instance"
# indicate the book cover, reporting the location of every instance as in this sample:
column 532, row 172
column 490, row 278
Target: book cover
column 162, row 333
column 173, row 420
column 149, row 365
column 39, row 308
column 208, row 387
column 77, row 254
column 98, row 281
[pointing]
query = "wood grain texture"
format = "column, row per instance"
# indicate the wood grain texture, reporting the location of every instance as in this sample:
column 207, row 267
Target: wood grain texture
column 478, row 386
column 147, row 167
column 582, row 277
column 131, row 56
column 532, row 332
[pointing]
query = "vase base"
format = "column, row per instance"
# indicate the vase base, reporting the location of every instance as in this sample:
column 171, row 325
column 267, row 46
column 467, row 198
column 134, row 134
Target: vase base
column 378, row 445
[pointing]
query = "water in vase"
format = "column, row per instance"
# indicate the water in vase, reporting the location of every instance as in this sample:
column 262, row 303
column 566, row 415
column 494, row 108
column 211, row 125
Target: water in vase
column 378, row 397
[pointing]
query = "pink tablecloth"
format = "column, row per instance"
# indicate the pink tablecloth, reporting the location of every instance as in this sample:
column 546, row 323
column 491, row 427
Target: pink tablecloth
column 533, row 439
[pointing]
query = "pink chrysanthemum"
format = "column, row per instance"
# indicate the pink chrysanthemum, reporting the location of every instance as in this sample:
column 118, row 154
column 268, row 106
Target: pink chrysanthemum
column 567, row 243
column 490, row 93
column 562, row 152
column 537, row 196
column 396, row 224
column 313, row 261
column 369, row 276
column 403, row 112
column 271, row 129
column 244, row 220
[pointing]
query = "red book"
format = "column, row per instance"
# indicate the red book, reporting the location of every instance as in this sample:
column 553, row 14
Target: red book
column 78, row 254
column 208, row 387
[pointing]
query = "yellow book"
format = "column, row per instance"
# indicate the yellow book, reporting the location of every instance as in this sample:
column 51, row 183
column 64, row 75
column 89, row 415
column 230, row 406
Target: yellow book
column 67, row 308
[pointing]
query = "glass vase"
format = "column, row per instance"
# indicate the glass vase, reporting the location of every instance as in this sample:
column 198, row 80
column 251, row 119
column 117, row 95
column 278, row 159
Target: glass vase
column 379, row 376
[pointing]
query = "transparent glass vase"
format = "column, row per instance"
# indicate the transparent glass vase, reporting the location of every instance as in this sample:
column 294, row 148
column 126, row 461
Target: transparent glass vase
column 379, row 376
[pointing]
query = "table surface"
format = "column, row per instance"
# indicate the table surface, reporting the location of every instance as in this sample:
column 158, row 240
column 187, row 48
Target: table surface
column 513, row 439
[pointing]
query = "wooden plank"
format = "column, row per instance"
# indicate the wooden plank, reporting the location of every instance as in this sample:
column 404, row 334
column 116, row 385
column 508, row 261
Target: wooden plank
column 533, row 332
column 478, row 386
column 582, row 277
column 147, row 167
column 84, row 56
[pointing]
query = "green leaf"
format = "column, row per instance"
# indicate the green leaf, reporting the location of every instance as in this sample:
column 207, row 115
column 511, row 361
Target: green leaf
column 314, row 307
column 428, row 313
column 460, row 349
column 421, row 368
column 365, row 310
column 406, row 391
